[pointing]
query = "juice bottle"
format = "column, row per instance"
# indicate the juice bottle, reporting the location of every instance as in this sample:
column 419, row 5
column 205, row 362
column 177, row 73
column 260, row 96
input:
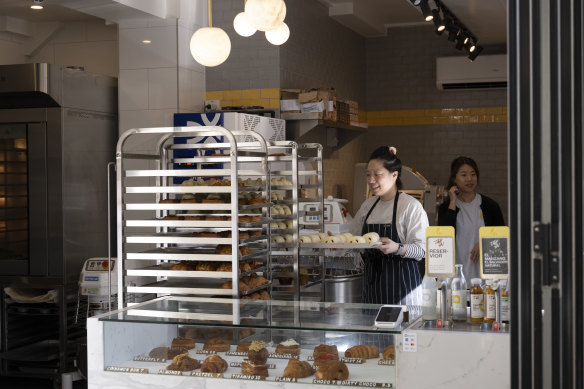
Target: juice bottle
column 476, row 301
column 505, row 303
column 489, row 302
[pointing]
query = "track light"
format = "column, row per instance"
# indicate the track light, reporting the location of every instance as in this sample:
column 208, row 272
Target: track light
column 459, row 41
column 438, row 22
column 475, row 53
column 426, row 10
column 470, row 45
column 37, row 4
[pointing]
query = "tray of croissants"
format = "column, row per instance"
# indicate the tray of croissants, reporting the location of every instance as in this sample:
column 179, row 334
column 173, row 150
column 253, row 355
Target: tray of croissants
column 257, row 359
column 340, row 241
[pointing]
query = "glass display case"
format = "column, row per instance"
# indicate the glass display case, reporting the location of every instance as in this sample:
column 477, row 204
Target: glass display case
column 145, row 339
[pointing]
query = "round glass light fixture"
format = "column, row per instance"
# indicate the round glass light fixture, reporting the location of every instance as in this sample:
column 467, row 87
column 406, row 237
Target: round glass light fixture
column 242, row 25
column 210, row 46
column 279, row 35
column 37, row 4
column 265, row 15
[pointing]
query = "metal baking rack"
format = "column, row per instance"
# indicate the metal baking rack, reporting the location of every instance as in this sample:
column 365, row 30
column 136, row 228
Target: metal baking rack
column 158, row 212
column 295, row 275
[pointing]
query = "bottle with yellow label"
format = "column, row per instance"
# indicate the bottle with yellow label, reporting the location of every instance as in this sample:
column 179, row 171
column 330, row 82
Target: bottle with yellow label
column 476, row 301
column 489, row 302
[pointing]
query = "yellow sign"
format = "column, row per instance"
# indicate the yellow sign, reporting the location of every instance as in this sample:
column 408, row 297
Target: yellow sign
column 494, row 248
column 440, row 251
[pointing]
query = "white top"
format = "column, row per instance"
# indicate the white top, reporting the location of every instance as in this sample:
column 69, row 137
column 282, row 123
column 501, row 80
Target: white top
column 411, row 219
column 468, row 222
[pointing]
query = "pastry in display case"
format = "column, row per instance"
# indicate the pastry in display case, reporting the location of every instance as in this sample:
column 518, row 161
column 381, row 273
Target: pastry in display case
column 269, row 341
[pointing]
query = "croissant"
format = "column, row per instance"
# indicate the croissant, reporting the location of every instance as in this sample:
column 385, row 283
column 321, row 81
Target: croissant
column 363, row 351
column 183, row 362
column 298, row 369
column 214, row 364
column 389, row 352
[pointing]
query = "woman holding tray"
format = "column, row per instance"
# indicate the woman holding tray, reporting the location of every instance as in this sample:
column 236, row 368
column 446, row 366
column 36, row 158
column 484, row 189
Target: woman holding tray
column 391, row 272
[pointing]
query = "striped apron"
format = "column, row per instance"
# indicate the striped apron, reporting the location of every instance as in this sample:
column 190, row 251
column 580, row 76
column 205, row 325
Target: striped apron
column 389, row 278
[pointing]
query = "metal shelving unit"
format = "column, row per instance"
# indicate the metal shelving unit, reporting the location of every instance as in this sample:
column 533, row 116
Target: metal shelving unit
column 178, row 218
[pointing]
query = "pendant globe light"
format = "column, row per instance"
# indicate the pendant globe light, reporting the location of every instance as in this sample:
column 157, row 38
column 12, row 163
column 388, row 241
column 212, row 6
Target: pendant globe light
column 210, row 46
column 265, row 15
column 278, row 35
column 242, row 25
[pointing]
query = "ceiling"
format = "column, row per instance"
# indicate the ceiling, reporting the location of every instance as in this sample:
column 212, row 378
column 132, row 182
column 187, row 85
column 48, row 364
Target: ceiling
column 487, row 20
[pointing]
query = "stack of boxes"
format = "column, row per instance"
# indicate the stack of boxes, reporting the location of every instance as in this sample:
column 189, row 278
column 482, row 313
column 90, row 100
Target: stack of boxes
column 309, row 103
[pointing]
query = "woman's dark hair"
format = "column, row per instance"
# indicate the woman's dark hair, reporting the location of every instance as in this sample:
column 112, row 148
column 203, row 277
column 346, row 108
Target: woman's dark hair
column 456, row 165
column 390, row 161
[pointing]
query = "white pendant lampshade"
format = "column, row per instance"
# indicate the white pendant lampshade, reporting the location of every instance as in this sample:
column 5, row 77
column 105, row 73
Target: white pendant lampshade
column 242, row 26
column 210, row 46
column 279, row 35
column 265, row 15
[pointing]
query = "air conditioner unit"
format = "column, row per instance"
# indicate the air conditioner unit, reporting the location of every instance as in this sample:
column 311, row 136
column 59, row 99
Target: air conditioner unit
column 486, row 71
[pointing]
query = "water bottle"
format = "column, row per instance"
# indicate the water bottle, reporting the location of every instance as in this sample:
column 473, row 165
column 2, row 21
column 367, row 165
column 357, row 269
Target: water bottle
column 459, row 295
column 429, row 301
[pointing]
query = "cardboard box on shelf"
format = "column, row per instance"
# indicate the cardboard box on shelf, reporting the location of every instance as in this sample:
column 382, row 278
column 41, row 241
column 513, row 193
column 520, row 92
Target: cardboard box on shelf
column 322, row 100
column 289, row 101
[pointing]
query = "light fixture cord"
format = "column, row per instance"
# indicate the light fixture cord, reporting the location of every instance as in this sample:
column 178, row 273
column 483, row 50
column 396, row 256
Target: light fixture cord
column 210, row 14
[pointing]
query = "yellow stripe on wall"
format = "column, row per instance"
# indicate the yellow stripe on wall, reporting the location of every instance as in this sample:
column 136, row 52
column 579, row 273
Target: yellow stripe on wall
column 436, row 116
column 267, row 98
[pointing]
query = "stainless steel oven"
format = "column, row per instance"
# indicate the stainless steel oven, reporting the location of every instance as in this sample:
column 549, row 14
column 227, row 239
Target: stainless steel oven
column 58, row 131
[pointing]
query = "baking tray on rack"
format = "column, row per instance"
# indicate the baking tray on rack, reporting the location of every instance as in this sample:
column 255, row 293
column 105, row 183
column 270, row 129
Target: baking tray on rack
column 346, row 246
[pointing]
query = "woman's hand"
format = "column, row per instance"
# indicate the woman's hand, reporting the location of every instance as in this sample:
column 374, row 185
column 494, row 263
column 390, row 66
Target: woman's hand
column 452, row 192
column 474, row 253
column 388, row 246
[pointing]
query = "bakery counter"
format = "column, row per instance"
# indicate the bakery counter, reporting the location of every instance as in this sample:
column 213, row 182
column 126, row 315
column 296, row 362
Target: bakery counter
column 179, row 341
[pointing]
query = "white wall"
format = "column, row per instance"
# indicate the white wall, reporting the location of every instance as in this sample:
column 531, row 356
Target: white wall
column 90, row 43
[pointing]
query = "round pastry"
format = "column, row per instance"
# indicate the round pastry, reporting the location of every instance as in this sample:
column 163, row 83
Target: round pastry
column 244, row 250
column 224, row 267
column 174, row 351
column 244, row 267
column 243, row 347
column 329, row 239
column 257, row 353
column 322, row 236
column 371, row 237
column 258, row 201
column 288, row 238
column 249, row 368
column 340, row 238
column 179, row 266
column 214, row 364
column 305, row 239
column 347, row 235
column 357, row 239
column 298, row 369
column 264, row 295
column 388, row 352
column 278, row 239
column 289, row 346
column 206, row 266
column 216, row 344
column 183, row 362
column 256, row 281
column 223, row 249
column 364, row 351
column 314, row 238
column 332, row 370
column 158, row 352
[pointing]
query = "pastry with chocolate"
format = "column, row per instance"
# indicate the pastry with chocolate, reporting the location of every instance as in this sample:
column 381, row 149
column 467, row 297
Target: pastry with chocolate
column 363, row 351
column 187, row 343
column 325, row 353
column 183, row 362
column 257, row 352
column 388, row 352
column 159, row 353
column 332, row 370
column 298, row 369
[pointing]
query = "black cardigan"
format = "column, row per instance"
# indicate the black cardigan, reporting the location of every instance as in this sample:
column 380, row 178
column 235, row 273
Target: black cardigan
column 491, row 213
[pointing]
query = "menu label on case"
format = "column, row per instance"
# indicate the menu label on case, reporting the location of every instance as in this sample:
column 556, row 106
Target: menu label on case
column 169, row 372
column 238, row 364
column 127, row 369
column 236, row 353
column 247, row 377
column 149, row 359
column 282, row 356
column 354, row 383
column 387, row 362
column 286, row 379
column 207, row 352
column 353, row 360
column 206, row 375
